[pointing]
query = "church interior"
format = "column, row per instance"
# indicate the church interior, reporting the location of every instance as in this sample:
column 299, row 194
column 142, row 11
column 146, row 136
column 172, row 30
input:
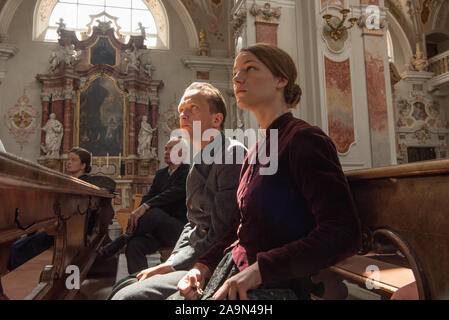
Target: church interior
column 96, row 74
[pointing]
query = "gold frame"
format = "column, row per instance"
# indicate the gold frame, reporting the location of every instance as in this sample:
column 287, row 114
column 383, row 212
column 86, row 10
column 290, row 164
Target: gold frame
column 89, row 52
column 125, row 112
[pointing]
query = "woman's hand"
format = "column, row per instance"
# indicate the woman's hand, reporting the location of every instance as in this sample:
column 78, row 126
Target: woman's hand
column 193, row 282
column 162, row 268
column 237, row 286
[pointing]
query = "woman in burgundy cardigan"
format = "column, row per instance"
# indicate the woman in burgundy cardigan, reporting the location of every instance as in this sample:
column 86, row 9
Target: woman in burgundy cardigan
column 293, row 223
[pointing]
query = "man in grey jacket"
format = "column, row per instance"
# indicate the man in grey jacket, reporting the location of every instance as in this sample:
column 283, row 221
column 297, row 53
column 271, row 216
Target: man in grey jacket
column 211, row 189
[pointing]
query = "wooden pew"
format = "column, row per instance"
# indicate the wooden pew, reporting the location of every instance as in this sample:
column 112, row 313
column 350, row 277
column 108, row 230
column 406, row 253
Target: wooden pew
column 409, row 206
column 33, row 197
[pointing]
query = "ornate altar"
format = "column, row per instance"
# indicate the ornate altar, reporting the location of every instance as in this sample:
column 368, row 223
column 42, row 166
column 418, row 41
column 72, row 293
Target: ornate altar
column 101, row 91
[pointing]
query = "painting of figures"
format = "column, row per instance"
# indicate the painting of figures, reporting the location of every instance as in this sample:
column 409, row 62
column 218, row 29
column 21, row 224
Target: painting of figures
column 101, row 121
column 103, row 53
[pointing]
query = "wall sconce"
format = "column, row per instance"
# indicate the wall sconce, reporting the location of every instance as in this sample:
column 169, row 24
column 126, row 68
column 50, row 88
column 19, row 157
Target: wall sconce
column 337, row 25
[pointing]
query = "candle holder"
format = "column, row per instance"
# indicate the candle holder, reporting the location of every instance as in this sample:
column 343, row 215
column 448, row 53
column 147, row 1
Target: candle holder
column 337, row 25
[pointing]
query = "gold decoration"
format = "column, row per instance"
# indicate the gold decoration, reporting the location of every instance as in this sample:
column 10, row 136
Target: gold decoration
column 203, row 49
column 419, row 62
column 336, row 25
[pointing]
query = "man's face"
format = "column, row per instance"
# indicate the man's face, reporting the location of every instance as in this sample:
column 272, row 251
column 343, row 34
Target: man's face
column 195, row 107
column 168, row 147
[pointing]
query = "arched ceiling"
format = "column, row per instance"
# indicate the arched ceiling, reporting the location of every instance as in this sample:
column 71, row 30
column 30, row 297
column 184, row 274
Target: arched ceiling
column 419, row 18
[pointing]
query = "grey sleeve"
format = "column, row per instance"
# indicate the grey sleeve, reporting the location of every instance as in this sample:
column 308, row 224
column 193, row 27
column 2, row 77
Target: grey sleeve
column 183, row 240
column 224, row 215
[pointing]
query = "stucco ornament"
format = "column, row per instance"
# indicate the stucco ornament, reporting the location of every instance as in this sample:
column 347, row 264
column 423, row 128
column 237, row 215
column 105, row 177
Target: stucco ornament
column 22, row 120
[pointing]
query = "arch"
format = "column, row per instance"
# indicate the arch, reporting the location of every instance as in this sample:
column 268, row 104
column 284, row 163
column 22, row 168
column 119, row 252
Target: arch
column 438, row 30
column 402, row 43
column 436, row 14
column 7, row 14
column 189, row 25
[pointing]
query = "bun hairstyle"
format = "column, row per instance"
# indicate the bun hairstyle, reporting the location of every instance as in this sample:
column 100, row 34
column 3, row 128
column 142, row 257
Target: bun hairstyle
column 84, row 157
column 281, row 65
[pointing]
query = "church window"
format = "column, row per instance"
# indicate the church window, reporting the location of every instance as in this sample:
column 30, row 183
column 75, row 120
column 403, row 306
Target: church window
column 76, row 15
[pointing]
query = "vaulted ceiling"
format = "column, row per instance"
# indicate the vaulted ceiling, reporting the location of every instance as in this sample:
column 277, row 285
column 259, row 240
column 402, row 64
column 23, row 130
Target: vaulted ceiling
column 420, row 17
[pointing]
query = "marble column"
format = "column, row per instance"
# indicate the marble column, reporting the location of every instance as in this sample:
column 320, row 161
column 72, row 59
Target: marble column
column 58, row 109
column 67, row 143
column 375, row 58
column 155, row 113
column 132, row 148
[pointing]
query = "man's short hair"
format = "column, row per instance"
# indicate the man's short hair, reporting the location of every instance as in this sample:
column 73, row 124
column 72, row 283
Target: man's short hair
column 217, row 103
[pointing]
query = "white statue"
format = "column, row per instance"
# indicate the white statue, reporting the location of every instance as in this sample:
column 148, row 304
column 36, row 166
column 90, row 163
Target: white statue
column 133, row 59
column 143, row 33
column 136, row 58
column 54, row 132
column 57, row 56
column 145, row 138
column 145, row 60
column 60, row 54
column 61, row 25
column 153, row 154
column 70, row 55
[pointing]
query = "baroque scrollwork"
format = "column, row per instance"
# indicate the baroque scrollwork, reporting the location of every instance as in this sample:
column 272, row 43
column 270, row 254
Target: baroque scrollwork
column 238, row 21
column 266, row 13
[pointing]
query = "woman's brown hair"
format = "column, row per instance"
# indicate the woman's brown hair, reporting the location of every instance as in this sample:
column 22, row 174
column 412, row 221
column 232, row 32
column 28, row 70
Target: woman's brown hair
column 281, row 65
column 84, row 157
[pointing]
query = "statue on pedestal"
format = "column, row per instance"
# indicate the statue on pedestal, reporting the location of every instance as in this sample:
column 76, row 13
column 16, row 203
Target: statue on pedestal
column 203, row 49
column 143, row 33
column 61, row 25
column 145, row 139
column 419, row 62
column 54, row 132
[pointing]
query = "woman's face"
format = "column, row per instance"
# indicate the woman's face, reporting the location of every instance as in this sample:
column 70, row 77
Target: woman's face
column 74, row 164
column 254, row 84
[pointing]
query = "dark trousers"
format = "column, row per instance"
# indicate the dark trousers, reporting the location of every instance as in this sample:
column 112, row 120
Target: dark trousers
column 156, row 229
column 27, row 248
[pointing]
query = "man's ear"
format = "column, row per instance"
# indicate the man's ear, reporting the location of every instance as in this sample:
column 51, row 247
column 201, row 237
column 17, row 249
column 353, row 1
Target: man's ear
column 83, row 166
column 282, row 83
column 218, row 120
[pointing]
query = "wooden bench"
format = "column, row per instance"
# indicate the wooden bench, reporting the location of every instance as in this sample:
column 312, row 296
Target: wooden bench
column 384, row 278
column 34, row 197
column 408, row 205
